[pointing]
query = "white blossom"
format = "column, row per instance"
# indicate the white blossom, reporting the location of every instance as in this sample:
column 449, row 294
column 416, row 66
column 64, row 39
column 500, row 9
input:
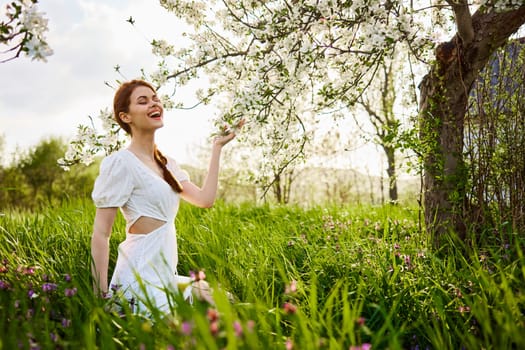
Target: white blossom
column 167, row 102
column 34, row 22
column 162, row 48
column 279, row 66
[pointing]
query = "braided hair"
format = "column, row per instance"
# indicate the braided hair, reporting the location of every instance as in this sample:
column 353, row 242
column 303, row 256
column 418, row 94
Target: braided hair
column 162, row 161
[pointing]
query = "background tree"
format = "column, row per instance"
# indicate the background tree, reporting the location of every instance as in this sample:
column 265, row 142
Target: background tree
column 33, row 177
column 443, row 104
column 40, row 168
column 265, row 52
column 383, row 103
column 275, row 61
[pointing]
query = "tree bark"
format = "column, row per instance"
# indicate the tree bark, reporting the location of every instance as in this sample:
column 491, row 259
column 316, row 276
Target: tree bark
column 391, row 172
column 443, row 104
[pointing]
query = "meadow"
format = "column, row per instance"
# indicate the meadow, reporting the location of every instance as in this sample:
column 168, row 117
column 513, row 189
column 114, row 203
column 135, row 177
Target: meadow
column 328, row 277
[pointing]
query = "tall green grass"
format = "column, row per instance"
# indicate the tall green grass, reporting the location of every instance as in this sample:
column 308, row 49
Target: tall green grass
column 319, row 278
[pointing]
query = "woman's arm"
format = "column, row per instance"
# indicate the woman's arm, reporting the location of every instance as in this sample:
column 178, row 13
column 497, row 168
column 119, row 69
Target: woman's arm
column 204, row 197
column 104, row 218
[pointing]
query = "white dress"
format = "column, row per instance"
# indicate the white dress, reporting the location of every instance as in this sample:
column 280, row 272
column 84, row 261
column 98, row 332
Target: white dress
column 146, row 265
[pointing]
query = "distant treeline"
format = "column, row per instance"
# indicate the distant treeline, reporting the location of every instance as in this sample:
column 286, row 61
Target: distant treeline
column 34, row 179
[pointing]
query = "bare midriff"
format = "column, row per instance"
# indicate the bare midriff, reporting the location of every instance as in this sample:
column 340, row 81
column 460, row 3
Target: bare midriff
column 145, row 225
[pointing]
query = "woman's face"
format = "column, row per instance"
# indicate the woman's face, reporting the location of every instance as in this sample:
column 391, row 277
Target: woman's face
column 145, row 110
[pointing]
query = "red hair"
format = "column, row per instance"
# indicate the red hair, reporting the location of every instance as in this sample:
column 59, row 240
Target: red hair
column 121, row 102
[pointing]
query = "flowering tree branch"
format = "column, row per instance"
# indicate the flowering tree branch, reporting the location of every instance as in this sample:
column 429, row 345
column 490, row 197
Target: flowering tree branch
column 24, row 32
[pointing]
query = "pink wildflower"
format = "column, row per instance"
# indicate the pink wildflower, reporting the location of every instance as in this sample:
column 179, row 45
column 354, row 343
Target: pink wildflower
column 464, row 309
column 291, row 288
column 250, row 325
column 186, row 328
column 237, row 328
column 214, row 327
column 289, row 308
column 212, row 314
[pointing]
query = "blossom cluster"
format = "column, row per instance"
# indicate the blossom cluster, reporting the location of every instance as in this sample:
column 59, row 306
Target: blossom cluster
column 279, row 78
column 88, row 141
column 280, row 67
column 162, row 48
column 25, row 31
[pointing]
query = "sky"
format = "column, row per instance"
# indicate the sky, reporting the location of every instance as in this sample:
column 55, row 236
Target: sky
column 89, row 38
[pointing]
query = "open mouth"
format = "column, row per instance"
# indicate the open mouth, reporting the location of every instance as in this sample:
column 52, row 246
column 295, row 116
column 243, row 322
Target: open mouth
column 155, row 114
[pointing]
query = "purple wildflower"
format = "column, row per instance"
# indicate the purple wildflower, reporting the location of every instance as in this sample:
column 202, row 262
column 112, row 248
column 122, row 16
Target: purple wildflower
column 49, row 287
column 408, row 262
column 54, row 337
column 69, row 292
column 4, row 285
column 66, row 322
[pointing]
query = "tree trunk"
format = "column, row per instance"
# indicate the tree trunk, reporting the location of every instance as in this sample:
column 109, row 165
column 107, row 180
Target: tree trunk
column 277, row 191
column 443, row 104
column 391, row 172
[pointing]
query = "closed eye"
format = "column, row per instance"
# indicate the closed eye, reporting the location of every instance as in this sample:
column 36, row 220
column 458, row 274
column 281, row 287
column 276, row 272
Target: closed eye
column 144, row 100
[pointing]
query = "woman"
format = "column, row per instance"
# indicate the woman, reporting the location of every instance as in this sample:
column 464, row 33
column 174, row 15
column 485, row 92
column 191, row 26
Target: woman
column 146, row 186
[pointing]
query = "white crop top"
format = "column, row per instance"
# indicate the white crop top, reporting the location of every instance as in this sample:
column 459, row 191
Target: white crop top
column 127, row 183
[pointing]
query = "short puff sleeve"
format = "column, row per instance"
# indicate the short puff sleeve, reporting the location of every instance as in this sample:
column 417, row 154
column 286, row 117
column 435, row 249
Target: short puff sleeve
column 179, row 174
column 113, row 185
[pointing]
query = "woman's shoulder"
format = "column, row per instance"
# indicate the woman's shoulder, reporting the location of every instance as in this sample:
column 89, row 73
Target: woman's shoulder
column 117, row 158
column 122, row 153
